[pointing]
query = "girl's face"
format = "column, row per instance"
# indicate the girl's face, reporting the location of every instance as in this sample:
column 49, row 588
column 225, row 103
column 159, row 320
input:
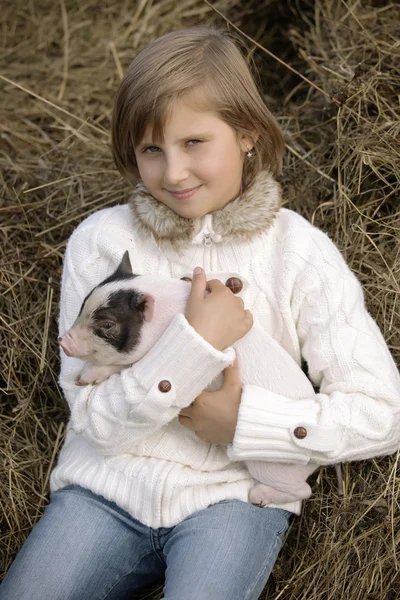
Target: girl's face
column 198, row 168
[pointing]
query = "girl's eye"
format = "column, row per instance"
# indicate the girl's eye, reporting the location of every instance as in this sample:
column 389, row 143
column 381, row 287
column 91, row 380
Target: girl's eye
column 107, row 325
column 150, row 148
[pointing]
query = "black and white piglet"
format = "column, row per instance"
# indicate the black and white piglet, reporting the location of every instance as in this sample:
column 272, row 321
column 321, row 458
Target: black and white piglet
column 124, row 316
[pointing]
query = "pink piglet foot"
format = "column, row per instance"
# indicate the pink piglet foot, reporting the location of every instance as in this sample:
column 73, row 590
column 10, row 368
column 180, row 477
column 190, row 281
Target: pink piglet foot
column 80, row 382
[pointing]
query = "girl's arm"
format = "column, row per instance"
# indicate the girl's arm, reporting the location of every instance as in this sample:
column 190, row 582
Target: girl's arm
column 114, row 415
column 356, row 414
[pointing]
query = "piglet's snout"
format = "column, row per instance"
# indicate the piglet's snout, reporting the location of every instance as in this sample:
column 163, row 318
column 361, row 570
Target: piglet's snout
column 75, row 342
column 65, row 343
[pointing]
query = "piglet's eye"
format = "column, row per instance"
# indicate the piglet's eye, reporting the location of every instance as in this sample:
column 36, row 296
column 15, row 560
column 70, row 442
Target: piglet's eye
column 107, row 325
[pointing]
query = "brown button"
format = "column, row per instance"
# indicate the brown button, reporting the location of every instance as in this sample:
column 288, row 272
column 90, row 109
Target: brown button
column 234, row 284
column 186, row 279
column 164, row 386
column 300, row 432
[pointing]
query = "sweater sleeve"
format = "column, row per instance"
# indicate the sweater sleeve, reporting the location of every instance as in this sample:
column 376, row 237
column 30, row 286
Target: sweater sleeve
column 115, row 415
column 356, row 414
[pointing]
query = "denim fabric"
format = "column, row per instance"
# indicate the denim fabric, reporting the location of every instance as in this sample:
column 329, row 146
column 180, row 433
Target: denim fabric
column 87, row 548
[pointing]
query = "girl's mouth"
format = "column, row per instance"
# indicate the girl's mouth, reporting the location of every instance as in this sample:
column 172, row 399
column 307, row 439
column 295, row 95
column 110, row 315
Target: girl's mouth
column 184, row 194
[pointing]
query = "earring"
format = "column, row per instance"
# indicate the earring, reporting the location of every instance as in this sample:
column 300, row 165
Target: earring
column 250, row 153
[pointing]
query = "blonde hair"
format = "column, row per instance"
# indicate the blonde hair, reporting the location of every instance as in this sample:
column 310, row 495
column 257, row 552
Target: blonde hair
column 204, row 65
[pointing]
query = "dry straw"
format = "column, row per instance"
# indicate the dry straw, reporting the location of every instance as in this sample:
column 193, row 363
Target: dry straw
column 338, row 105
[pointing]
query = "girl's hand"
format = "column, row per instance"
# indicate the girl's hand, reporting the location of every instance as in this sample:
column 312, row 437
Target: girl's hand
column 219, row 317
column 213, row 415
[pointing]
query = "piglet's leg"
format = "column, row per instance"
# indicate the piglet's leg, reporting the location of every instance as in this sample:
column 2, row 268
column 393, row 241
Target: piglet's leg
column 92, row 374
column 261, row 494
column 279, row 483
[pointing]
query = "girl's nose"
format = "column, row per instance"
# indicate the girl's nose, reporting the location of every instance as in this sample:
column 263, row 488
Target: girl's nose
column 176, row 171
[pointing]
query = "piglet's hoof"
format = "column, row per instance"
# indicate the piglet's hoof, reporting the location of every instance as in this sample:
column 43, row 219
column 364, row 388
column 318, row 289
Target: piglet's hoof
column 260, row 495
column 80, row 382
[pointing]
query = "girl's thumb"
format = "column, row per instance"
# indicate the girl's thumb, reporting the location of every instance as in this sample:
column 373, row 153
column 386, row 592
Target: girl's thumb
column 199, row 282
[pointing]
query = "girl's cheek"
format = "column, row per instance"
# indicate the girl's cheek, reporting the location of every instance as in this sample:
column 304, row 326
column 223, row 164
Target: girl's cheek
column 146, row 168
column 209, row 164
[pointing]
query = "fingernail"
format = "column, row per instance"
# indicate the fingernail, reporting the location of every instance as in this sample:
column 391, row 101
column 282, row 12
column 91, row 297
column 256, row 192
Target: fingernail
column 197, row 271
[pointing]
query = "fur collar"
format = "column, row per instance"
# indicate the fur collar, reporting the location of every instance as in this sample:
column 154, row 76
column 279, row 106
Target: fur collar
column 245, row 217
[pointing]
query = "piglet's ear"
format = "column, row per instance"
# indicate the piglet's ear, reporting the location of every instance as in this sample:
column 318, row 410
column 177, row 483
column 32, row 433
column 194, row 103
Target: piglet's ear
column 124, row 267
column 143, row 303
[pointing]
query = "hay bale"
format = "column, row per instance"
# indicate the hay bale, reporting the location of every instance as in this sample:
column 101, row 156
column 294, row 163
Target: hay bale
column 341, row 172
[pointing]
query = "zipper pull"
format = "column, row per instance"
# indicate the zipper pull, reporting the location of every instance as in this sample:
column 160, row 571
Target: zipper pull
column 206, row 235
column 207, row 239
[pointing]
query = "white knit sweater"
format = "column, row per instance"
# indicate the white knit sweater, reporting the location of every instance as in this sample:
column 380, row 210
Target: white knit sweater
column 124, row 440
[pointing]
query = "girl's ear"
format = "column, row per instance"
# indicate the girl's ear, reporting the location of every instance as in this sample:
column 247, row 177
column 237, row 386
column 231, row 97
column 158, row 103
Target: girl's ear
column 247, row 142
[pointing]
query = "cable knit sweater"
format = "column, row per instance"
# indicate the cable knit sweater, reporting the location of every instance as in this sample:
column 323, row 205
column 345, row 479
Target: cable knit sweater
column 124, row 440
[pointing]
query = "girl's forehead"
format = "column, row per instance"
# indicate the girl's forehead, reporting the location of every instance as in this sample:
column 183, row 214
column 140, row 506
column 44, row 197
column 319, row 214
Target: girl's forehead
column 183, row 118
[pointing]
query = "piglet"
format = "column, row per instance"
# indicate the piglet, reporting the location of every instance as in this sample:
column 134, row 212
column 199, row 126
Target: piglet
column 124, row 316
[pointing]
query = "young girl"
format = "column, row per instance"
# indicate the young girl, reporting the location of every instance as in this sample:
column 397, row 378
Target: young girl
column 151, row 482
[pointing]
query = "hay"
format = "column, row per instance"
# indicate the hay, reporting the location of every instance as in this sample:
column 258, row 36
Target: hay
column 341, row 171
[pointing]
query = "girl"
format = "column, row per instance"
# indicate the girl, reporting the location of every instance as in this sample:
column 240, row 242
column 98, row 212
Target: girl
column 151, row 481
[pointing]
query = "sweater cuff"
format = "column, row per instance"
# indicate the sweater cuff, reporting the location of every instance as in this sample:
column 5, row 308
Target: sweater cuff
column 274, row 428
column 183, row 358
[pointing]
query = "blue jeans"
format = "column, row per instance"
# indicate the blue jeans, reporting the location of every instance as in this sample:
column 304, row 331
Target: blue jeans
column 86, row 548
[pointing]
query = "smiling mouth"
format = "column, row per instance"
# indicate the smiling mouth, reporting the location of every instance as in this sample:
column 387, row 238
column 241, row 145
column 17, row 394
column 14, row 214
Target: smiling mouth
column 184, row 193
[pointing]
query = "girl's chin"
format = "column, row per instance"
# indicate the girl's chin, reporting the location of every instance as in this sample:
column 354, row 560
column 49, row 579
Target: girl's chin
column 189, row 212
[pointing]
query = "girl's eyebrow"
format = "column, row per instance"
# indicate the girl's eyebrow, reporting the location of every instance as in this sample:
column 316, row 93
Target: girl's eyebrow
column 191, row 136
